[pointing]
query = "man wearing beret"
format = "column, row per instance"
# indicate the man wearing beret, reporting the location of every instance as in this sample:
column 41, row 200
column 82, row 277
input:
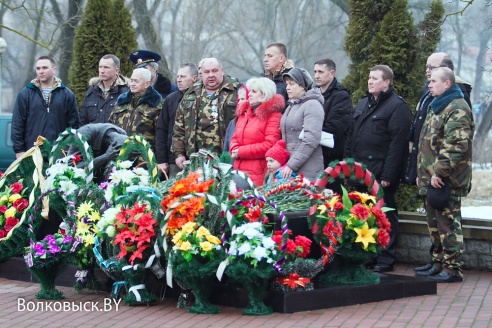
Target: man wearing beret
column 444, row 162
column 204, row 113
column 148, row 60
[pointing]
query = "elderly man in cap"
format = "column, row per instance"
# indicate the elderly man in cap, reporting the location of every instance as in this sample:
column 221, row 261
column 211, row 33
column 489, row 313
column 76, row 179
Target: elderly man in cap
column 204, row 113
column 148, row 60
column 137, row 110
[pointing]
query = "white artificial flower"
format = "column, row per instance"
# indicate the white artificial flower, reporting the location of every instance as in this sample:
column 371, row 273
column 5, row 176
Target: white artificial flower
column 111, row 231
column 232, row 187
column 251, row 233
column 125, row 165
column 127, row 176
column 233, row 249
column 268, row 242
column 68, row 187
column 115, row 177
column 259, row 253
column 78, row 173
column 246, row 247
column 110, row 215
column 140, row 171
column 144, row 180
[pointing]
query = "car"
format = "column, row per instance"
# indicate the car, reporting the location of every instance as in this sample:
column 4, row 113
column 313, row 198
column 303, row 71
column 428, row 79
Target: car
column 7, row 155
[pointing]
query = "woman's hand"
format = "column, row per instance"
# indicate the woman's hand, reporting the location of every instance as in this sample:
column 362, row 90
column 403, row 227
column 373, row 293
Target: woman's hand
column 286, row 172
column 235, row 154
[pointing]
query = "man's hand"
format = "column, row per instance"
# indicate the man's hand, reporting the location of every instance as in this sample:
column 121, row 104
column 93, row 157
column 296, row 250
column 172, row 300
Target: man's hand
column 286, row 172
column 436, row 182
column 164, row 167
column 385, row 183
column 179, row 161
column 17, row 155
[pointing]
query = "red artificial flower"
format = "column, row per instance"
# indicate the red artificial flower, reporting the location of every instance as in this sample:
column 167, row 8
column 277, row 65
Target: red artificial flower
column 3, row 233
column 338, row 207
column 76, row 158
column 314, row 229
column 11, row 221
column 291, row 246
column 305, row 243
column 21, row 204
column 381, row 219
column 360, row 211
column 383, row 237
column 1, row 173
column 16, row 187
column 254, row 214
column 3, row 209
column 277, row 239
column 354, row 197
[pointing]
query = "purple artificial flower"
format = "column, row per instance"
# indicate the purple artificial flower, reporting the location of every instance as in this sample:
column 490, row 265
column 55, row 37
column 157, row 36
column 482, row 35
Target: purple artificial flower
column 52, row 242
column 54, row 249
column 39, row 248
column 87, row 220
column 104, row 185
column 48, row 238
column 67, row 240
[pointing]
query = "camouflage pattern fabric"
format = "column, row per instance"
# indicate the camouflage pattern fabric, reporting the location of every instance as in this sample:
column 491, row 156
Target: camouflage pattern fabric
column 202, row 120
column 446, row 236
column 138, row 114
column 446, row 147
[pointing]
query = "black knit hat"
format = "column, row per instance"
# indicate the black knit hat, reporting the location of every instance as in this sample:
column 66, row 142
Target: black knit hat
column 438, row 198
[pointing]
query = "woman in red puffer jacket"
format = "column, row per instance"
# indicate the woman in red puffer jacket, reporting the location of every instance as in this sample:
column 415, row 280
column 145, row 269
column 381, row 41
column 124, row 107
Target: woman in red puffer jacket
column 257, row 128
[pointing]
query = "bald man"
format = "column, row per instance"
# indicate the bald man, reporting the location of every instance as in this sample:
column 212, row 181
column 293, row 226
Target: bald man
column 204, row 113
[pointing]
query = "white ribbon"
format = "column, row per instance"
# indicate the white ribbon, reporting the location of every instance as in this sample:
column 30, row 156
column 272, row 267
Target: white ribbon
column 220, row 270
column 134, row 290
column 169, row 273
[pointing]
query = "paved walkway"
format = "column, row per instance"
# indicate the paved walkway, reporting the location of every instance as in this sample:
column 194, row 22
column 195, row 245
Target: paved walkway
column 456, row 305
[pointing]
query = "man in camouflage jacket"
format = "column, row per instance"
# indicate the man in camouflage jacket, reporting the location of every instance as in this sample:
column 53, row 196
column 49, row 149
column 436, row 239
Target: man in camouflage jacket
column 445, row 157
column 204, row 113
column 138, row 109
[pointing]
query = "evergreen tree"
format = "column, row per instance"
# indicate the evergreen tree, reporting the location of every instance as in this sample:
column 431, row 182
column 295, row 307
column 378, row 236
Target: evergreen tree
column 105, row 29
column 383, row 32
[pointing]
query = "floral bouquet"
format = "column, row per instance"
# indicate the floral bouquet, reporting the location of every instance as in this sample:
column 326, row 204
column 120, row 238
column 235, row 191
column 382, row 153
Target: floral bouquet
column 47, row 258
column 252, row 254
column 86, row 228
column 194, row 258
column 13, row 204
column 365, row 232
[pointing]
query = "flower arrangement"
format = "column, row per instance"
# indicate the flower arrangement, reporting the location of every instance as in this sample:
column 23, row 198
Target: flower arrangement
column 188, row 209
column 12, row 206
column 194, row 258
column 135, row 229
column 124, row 176
column 292, row 195
column 65, row 176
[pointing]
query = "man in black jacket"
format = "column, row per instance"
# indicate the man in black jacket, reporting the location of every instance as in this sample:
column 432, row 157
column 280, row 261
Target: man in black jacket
column 148, row 60
column 381, row 123
column 186, row 76
column 100, row 98
column 337, row 106
column 45, row 107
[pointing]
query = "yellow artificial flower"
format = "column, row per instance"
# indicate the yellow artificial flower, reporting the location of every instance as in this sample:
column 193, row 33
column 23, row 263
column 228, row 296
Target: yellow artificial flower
column 14, row 197
column 365, row 197
column 94, row 216
column 4, row 199
column 189, row 227
column 84, row 209
column 365, row 235
column 202, row 231
column 332, row 202
column 213, row 239
column 88, row 239
column 10, row 213
column 177, row 237
column 322, row 209
column 206, row 246
column 185, row 246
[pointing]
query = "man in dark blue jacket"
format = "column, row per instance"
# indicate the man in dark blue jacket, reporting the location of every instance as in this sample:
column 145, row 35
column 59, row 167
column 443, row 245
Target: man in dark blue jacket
column 45, row 107
column 186, row 76
column 378, row 138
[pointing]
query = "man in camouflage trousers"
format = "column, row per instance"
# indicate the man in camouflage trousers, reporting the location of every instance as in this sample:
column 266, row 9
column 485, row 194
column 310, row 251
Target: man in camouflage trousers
column 138, row 109
column 445, row 152
column 204, row 113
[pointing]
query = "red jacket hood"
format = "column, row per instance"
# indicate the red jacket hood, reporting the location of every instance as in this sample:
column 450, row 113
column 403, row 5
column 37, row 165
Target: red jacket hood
column 266, row 108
